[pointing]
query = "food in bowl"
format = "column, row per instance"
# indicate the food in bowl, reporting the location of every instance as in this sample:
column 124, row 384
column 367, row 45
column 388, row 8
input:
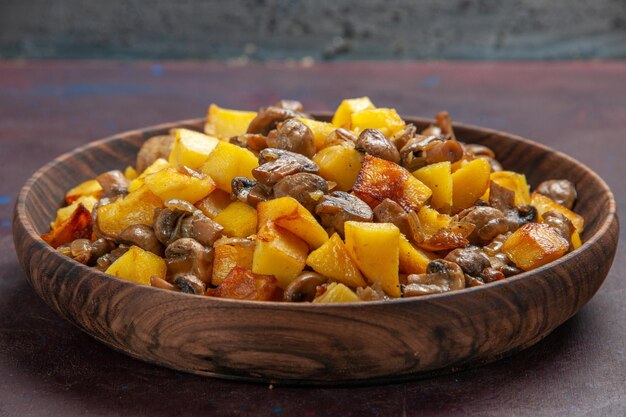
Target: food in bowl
column 275, row 205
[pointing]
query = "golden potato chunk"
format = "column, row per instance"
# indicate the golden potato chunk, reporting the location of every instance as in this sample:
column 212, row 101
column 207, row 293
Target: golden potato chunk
column 534, row 245
column 214, row 203
column 333, row 260
column 289, row 214
column 375, row 247
column 243, row 284
column 89, row 188
column 339, row 164
column 279, row 253
column 237, row 252
column 379, row 179
column 343, row 114
column 469, row 183
column 66, row 212
column 413, row 260
column 191, row 149
column 238, row 219
column 77, row 226
column 138, row 265
column 228, row 161
column 514, row 182
column 387, row 121
column 175, row 183
column 226, row 123
column 544, row 204
column 156, row 166
column 337, row 293
column 136, row 208
column 438, row 177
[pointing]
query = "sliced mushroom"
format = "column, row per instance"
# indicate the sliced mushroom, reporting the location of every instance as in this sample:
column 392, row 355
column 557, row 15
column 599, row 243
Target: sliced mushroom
column 294, row 136
column 307, row 188
column 163, row 284
column 339, row 207
column 167, row 224
column 562, row 224
column 442, row 151
column 471, row 260
column 254, row 141
column 154, row 148
column 249, row 191
column 304, row 287
column 488, row 223
column 375, row 143
column 561, row 191
column 293, row 105
column 441, row 276
column 341, row 136
column 204, row 230
column 500, row 197
column 180, row 205
column 190, row 284
column 401, row 137
column 80, row 250
column 520, row 215
column 188, row 256
column 267, row 119
column 276, row 164
column 413, row 153
column 143, row 236
column 444, row 122
column 391, row 212
column 103, row 262
column 113, row 183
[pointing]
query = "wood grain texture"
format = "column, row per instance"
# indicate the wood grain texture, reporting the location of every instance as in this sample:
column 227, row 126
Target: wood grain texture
column 317, row 343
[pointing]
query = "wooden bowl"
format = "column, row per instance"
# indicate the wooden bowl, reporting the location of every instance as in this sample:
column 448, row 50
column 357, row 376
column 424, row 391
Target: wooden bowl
column 312, row 343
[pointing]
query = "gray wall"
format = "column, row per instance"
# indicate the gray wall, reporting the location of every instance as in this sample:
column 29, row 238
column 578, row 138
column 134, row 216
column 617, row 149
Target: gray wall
column 337, row 29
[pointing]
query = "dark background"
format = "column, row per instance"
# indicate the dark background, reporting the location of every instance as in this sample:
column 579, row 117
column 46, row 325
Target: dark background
column 244, row 30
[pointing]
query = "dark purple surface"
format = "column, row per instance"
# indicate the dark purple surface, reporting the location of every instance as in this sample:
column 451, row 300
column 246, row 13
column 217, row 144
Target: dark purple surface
column 49, row 368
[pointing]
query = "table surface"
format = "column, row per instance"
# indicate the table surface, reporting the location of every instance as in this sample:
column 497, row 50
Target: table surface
column 50, row 368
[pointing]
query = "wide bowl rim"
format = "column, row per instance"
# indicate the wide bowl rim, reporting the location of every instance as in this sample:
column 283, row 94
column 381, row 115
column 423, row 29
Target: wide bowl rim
column 21, row 216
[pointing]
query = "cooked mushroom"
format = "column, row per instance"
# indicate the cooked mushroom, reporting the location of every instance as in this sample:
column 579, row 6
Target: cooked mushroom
column 113, row 183
column 276, row 164
column 188, row 256
column 391, row 212
column 79, row 249
column 444, row 122
column 143, row 236
column 203, row 229
column 101, row 247
column 339, row 207
column 488, row 223
column 375, row 143
column 440, row 276
column 267, row 119
column 442, row 151
column 154, row 148
column 293, row 105
column 520, row 215
column 471, row 260
column 401, row 137
column 190, row 284
column 413, row 155
column 249, row 191
column 479, row 150
column 254, row 141
column 561, row 191
column 103, row 262
column 500, row 197
column 304, row 287
column 307, row 188
column 293, row 135
column 178, row 204
column 340, row 136
column 562, row 224
column 163, row 284
column 167, row 224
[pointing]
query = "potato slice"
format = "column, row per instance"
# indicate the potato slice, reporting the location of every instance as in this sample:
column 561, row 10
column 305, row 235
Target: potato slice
column 333, row 260
column 228, row 161
column 289, row 214
column 339, row 164
column 544, row 204
column 337, row 293
column 191, row 148
column 279, row 253
column 534, row 245
column 66, row 212
column 438, row 177
column 130, row 173
column 431, row 220
column 343, row 114
column 379, row 179
column 375, row 247
column 138, row 265
column 174, row 183
column 469, row 183
column 226, row 123
column 238, row 219
column 386, row 120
